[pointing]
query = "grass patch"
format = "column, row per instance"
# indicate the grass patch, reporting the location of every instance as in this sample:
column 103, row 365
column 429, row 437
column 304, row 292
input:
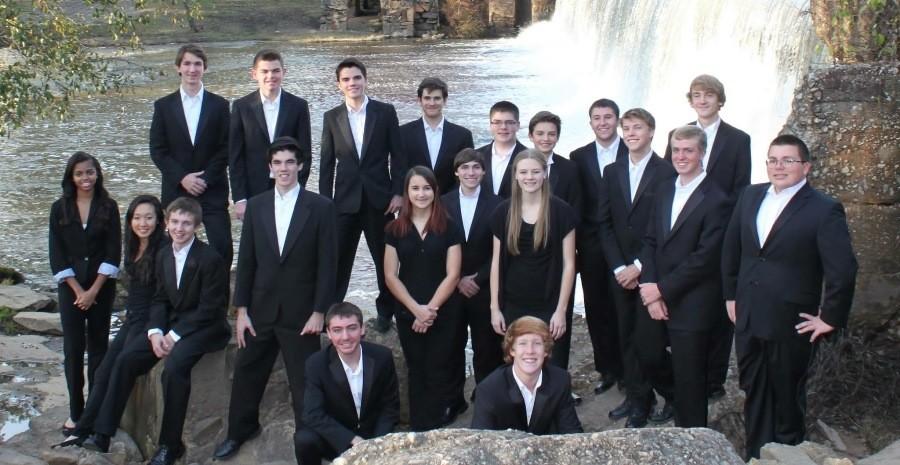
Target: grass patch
column 7, row 325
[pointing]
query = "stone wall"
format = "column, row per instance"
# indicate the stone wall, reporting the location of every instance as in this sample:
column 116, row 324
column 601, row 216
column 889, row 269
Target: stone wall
column 849, row 116
column 334, row 15
column 409, row 18
column 502, row 16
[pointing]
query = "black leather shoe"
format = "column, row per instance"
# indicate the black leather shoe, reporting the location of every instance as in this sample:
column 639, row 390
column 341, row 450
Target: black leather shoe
column 606, row 383
column 97, row 442
column 382, row 324
column 73, row 440
column 637, row 419
column 166, row 456
column 451, row 413
column 576, row 399
column 229, row 447
column 716, row 393
column 622, row 411
column 664, row 414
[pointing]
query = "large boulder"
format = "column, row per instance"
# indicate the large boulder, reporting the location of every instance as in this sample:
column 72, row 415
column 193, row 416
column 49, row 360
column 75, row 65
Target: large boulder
column 659, row 446
column 40, row 322
column 21, row 298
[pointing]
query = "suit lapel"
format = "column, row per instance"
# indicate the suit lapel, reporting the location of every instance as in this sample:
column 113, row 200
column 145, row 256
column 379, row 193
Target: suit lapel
column 666, row 194
column 421, row 142
column 368, row 380
column 340, row 377
column 343, row 124
column 260, row 115
column 624, row 182
column 170, row 275
column 646, row 179
column 371, row 119
column 792, row 207
column 442, row 150
column 593, row 163
column 718, row 145
column 189, row 270
column 692, row 202
column 204, row 115
column 515, row 395
column 554, row 175
column 753, row 213
column 298, row 220
column 284, row 108
column 540, row 403
column 178, row 110
column 268, row 220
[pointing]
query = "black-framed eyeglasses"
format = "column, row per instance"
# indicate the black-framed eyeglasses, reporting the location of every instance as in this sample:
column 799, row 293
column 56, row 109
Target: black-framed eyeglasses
column 785, row 162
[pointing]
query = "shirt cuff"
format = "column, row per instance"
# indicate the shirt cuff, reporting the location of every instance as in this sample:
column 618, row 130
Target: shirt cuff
column 175, row 336
column 153, row 331
column 109, row 270
column 618, row 269
column 241, row 201
column 62, row 275
column 637, row 263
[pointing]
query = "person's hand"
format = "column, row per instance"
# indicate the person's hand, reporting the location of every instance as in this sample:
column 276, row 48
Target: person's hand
column 628, row 278
column 815, row 325
column 193, row 183
column 239, row 209
column 732, row 310
column 650, row 293
column 467, row 286
column 157, row 343
column 394, row 206
column 86, row 299
column 424, row 313
column 356, row 440
column 498, row 322
column 420, row 326
column 313, row 325
column 241, row 325
column 558, row 324
column 658, row 310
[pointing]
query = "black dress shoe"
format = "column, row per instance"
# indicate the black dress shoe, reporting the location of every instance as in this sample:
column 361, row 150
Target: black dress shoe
column 451, row 413
column 66, row 431
column 576, row 399
column 622, row 411
column 97, row 442
column 606, row 383
column 229, row 446
column 166, row 455
column 637, row 419
column 382, row 324
column 716, row 393
column 664, row 414
column 73, row 440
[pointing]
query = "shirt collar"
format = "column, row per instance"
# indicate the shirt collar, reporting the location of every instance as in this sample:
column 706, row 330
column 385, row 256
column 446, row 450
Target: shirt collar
column 186, row 96
column 643, row 161
column 362, row 109
column 438, row 128
column 712, row 127
column 787, row 191
column 184, row 250
column 347, row 368
column 691, row 185
column 499, row 155
column 613, row 145
column 473, row 196
column 522, row 386
column 289, row 195
column 276, row 101
column 550, row 159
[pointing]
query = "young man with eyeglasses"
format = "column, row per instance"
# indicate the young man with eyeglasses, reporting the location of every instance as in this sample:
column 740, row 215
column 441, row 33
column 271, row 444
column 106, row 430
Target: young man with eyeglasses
column 498, row 154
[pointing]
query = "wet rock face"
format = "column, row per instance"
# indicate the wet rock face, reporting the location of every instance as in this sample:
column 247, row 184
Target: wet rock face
column 660, row 446
column 850, row 118
column 858, row 30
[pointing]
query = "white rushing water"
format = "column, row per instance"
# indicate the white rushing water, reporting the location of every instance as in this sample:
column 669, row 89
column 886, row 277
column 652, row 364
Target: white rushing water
column 645, row 53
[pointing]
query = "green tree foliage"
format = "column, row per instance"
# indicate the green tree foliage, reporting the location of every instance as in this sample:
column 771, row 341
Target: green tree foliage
column 47, row 59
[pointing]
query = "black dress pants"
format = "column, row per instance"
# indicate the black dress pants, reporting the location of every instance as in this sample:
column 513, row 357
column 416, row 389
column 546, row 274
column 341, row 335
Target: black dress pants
column 650, row 342
column 487, row 352
column 252, row 368
column 431, row 361
column 689, row 366
column 217, row 224
column 83, row 329
column 773, row 375
column 600, row 312
column 627, row 305
column 310, row 448
column 721, row 342
column 371, row 222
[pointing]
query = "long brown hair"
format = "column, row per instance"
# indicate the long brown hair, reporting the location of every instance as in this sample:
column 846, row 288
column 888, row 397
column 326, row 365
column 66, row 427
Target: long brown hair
column 514, row 218
column 437, row 222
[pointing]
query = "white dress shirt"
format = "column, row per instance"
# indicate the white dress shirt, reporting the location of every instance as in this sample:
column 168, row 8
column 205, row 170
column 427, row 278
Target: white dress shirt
column 711, row 132
column 607, row 155
column 355, row 379
column 270, row 110
column 467, row 205
column 433, row 137
column 771, row 207
column 636, row 172
column 191, row 106
column 358, row 124
column 527, row 395
column 180, row 258
column 549, row 164
column 284, row 209
column 682, row 194
column 499, row 162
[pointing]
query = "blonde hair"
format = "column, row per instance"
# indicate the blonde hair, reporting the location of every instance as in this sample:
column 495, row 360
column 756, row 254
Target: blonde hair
column 514, row 218
column 708, row 83
column 526, row 325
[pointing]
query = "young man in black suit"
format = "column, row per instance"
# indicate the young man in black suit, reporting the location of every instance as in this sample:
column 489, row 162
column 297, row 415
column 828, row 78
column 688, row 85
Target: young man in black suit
column 285, row 281
column 596, row 276
column 189, row 145
column 727, row 163
column 785, row 243
column 362, row 167
column 187, row 320
column 351, row 390
column 471, row 207
column 499, row 153
column 431, row 140
column 259, row 118
column 625, row 203
column 679, row 285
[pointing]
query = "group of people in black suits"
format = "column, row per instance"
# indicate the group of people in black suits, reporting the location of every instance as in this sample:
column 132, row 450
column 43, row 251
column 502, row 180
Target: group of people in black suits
column 468, row 244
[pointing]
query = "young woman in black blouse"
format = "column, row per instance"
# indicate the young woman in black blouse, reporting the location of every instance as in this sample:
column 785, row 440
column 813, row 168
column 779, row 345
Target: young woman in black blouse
column 533, row 266
column 144, row 235
column 85, row 249
column 422, row 261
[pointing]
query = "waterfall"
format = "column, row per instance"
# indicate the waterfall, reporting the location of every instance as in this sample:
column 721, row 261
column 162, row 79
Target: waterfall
column 645, row 53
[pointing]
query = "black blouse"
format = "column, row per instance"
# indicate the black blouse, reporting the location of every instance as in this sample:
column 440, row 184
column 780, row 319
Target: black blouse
column 84, row 249
column 423, row 262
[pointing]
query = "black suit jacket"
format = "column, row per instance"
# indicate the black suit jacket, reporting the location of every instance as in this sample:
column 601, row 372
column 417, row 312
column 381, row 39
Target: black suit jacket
column 248, row 141
column 478, row 247
column 488, row 182
column 683, row 260
column 564, row 182
column 453, row 139
column 172, row 152
column 590, row 179
column 287, row 287
column 808, row 248
column 345, row 175
column 199, row 302
column 499, row 404
column 83, row 250
column 328, row 407
column 623, row 223
column 729, row 159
